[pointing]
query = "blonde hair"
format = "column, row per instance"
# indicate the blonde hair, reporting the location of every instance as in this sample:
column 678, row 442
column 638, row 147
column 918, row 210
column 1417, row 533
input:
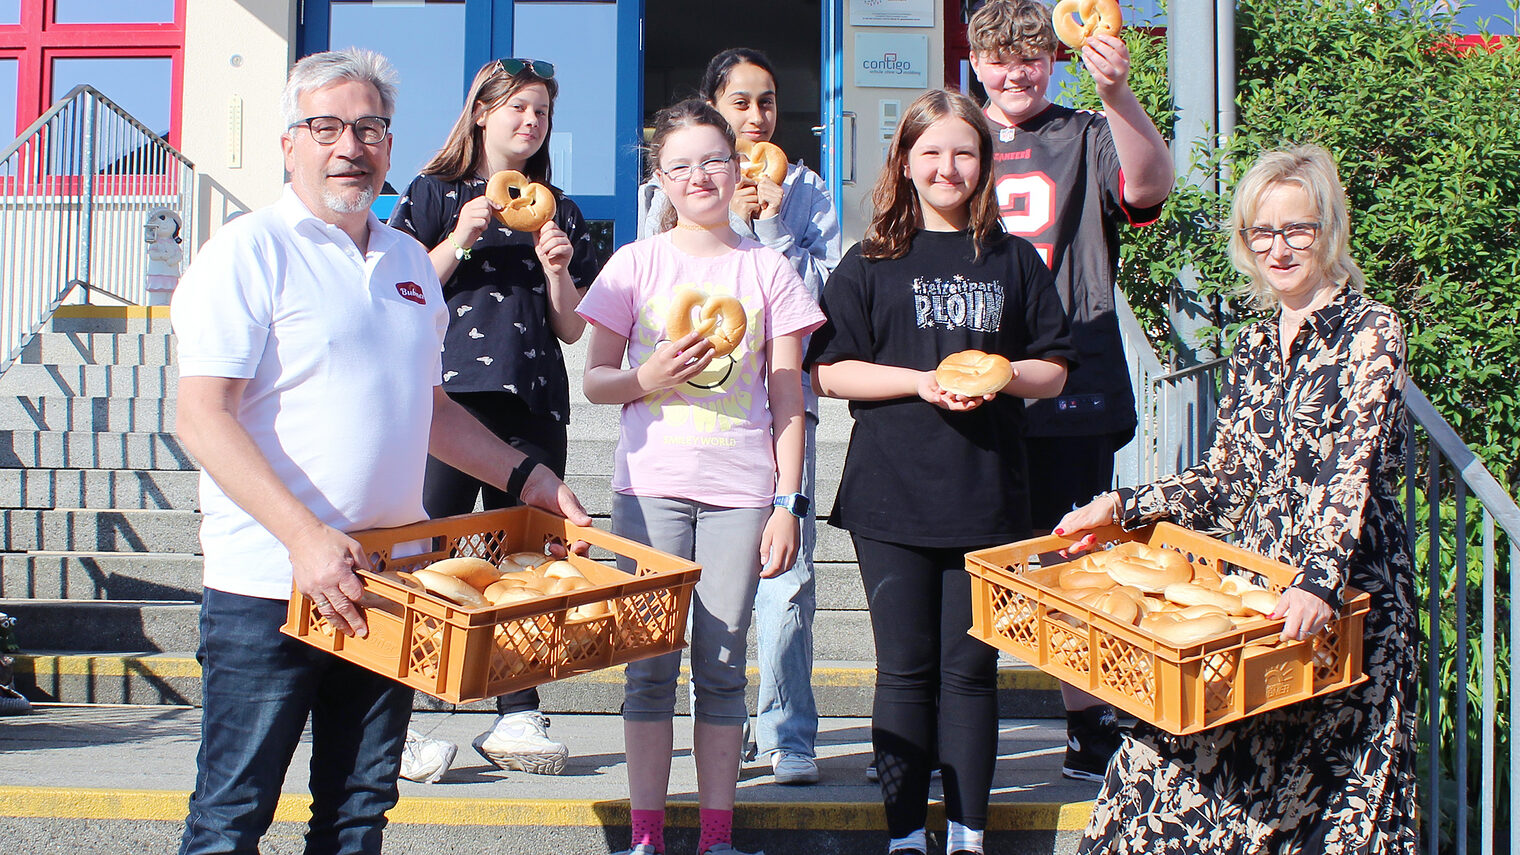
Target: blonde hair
column 464, row 151
column 1311, row 168
column 898, row 212
column 1021, row 27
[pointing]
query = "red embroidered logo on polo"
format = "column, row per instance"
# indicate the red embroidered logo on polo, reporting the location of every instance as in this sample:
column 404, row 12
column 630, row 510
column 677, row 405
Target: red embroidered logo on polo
column 411, row 291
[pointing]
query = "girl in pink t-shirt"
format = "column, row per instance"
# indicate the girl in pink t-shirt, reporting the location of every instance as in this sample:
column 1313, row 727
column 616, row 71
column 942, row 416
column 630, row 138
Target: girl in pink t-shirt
column 709, row 456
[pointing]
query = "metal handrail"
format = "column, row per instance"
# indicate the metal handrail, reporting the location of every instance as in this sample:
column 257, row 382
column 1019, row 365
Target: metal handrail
column 76, row 189
column 1445, row 477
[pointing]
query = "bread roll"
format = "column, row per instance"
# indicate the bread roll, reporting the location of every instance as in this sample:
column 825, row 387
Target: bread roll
column 451, row 588
column 477, row 572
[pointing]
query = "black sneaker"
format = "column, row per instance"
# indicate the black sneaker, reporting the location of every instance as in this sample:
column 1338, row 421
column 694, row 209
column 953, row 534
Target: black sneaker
column 1092, row 738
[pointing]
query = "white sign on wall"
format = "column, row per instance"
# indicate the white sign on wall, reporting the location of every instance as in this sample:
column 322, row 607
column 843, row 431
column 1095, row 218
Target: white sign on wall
column 894, row 60
column 892, row 13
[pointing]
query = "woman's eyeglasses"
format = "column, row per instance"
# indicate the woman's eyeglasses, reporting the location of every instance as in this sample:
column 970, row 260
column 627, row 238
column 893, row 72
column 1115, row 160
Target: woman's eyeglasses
column 1295, row 235
column 327, row 130
column 513, row 66
column 711, row 166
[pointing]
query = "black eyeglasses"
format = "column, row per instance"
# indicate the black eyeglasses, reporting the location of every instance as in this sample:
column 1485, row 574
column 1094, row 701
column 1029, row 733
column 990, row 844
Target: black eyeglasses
column 512, row 66
column 711, row 166
column 1295, row 235
column 327, row 130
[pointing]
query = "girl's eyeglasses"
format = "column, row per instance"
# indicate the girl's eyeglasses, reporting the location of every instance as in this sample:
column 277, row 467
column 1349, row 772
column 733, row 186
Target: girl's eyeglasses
column 513, row 66
column 711, row 166
column 1295, row 235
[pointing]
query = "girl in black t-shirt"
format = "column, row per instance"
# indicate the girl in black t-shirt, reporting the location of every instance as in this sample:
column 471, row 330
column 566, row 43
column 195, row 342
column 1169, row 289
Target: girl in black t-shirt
column 930, row 474
column 512, row 298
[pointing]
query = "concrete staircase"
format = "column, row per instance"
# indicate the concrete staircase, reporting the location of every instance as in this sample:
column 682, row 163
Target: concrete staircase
column 100, row 560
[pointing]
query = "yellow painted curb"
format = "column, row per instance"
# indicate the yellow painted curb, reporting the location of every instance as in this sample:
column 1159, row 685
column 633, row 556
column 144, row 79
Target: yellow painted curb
column 170, row 806
column 183, row 666
column 153, row 312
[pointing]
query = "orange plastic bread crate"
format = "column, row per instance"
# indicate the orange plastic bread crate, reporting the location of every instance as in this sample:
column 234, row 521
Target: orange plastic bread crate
column 459, row 654
column 1019, row 607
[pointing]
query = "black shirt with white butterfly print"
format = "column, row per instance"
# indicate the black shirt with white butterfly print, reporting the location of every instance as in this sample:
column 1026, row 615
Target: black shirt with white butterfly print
column 499, row 338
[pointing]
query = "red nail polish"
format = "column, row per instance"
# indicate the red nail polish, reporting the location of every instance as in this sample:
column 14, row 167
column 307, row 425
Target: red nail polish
column 1060, row 531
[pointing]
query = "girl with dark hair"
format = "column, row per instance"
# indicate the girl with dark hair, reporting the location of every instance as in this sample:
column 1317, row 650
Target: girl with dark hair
column 512, row 298
column 935, row 275
column 706, row 446
column 797, row 219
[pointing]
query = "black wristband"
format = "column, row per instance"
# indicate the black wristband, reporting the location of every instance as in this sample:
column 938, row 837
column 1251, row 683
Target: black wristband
column 519, row 476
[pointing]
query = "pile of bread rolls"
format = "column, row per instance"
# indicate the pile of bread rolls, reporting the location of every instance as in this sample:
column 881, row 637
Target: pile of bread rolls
column 476, row 583
column 1163, row 593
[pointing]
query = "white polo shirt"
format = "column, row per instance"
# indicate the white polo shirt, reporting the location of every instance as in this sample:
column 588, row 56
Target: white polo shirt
column 341, row 352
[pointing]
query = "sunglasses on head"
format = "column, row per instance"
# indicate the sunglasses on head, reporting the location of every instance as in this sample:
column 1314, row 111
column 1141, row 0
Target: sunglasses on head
column 513, row 66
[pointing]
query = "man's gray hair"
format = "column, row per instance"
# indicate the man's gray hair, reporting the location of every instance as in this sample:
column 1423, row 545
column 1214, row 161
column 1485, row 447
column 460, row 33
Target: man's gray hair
column 335, row 66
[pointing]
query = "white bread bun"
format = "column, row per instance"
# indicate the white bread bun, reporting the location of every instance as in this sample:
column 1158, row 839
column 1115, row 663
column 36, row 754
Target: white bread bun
column 500, row 596
column 528, row 560
column 561, row 570
column 477, row 572
column 590, row 611
column 1259, row 601
column 566, row 584
column 451, row 588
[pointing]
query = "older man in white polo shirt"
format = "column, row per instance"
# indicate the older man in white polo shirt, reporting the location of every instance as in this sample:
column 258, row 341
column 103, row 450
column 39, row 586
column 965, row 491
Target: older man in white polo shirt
column 309, row 336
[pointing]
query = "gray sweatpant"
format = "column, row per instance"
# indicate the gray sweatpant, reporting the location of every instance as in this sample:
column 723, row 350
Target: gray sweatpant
column 726, row 542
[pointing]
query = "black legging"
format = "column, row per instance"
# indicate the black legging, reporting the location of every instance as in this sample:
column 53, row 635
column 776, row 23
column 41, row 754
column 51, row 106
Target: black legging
column 446, row 491
column 936, row 686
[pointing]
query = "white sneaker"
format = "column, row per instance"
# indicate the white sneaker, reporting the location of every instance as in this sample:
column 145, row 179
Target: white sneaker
column 425, row 760
column 791, row 768
column 521, row 741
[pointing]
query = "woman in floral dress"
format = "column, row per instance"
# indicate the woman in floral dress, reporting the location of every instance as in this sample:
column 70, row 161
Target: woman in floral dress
column 1303, row 469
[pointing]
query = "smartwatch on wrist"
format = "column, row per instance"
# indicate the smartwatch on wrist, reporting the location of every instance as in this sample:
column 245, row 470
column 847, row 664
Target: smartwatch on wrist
column 795, row 504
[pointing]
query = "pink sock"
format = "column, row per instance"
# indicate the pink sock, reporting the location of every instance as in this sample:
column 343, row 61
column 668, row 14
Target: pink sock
column 649, row 829
column 717, row 827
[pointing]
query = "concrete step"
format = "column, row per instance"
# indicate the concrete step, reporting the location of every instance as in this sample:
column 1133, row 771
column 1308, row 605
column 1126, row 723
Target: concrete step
column 115, row 781
column 100, row 489
column 153, row 320
column 91, row 381
column 50, row 449
column 166, row 576
column 173, row 679
column 80, row 530
column 132, row 626
column 78, row 348
column 100, row 576
column 59, row 413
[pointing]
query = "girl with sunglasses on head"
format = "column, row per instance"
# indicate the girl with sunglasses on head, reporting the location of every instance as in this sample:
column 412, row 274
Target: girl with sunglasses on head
column 930, row 474
column 709, row 455
column 512, row 298
column 797, row 219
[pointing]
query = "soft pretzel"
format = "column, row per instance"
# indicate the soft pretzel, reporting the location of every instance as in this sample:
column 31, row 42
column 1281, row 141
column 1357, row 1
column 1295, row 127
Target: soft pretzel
column 526, row 560
column 1081, row 577
column 764, row 158
column 1148, row 577
column 525, row 205
column 1177, row 630
column 1099, row 17
column 720, row 318
column 1190, row 594
column 972, row 373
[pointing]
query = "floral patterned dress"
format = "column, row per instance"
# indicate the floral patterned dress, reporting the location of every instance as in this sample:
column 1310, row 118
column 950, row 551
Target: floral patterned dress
column 1303, row 469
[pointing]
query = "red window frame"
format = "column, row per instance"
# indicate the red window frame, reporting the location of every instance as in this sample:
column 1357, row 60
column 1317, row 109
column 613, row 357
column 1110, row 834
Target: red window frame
column 37, row 41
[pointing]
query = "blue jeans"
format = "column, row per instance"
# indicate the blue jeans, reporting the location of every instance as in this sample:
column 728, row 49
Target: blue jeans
column 787, row 717
column 259, row 687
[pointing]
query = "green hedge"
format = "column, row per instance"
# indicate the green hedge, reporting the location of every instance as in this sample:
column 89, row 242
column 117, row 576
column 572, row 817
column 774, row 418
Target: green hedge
column 1428, row 143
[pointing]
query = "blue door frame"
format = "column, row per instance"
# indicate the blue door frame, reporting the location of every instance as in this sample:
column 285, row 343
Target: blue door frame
column 489, row 34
